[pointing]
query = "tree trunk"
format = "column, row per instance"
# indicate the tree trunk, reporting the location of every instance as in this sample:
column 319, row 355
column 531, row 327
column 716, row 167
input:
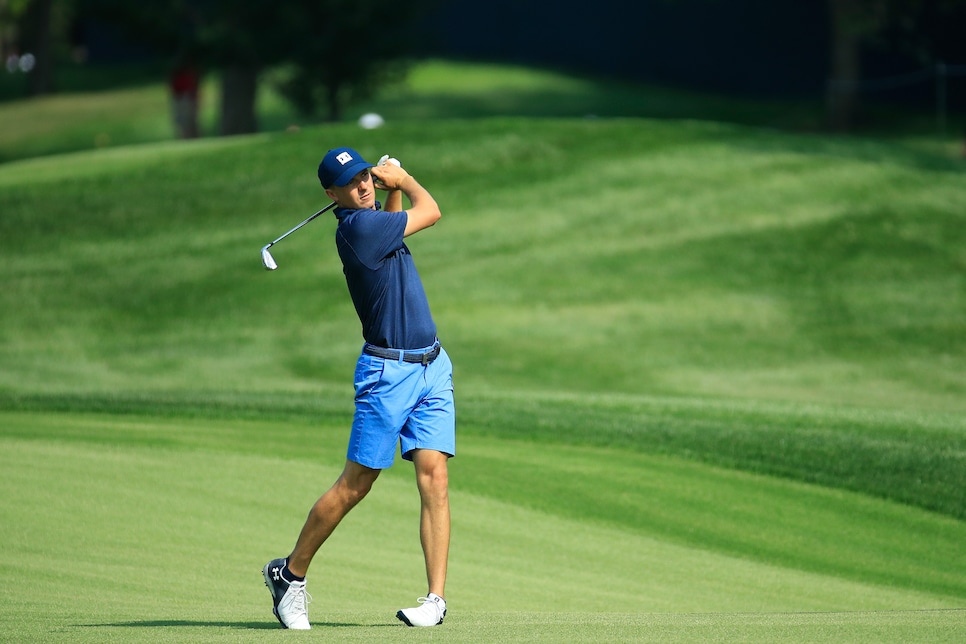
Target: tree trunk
column 334, row 104
column 38, row 42
column 852, row 21
column 842, row 96
column 239, row 86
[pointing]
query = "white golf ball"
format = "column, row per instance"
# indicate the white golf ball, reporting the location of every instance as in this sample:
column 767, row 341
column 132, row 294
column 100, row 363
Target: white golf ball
column 370, row 121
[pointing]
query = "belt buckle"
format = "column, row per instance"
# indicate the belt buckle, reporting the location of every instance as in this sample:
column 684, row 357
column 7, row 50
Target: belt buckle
column 430, row 355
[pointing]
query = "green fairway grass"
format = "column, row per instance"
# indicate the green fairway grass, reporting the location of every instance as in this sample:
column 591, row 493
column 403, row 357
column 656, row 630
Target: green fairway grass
column 133, row 514
column 710, row 382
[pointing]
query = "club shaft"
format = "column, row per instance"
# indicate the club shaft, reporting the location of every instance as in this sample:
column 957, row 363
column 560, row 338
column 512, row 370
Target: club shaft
column 326, row 209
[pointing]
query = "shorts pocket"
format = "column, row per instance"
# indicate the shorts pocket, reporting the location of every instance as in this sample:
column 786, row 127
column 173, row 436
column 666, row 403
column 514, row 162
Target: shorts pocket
column 369, row 370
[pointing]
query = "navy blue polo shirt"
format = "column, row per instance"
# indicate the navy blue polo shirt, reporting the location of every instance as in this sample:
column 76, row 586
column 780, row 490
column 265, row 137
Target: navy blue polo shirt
column 381, row 275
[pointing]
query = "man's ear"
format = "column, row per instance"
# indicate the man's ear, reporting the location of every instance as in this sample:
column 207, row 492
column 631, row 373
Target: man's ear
column 331, row 195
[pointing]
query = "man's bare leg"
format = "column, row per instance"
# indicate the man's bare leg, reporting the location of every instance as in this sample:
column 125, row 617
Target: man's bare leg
column 351, row 487
column 432, row 479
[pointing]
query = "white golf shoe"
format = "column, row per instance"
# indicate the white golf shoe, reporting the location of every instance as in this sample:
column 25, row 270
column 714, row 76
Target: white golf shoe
column 289, row 598
column 430, row 612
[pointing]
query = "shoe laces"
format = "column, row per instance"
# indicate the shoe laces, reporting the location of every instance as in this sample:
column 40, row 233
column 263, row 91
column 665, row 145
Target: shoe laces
column 300, row 597
column 425, row 603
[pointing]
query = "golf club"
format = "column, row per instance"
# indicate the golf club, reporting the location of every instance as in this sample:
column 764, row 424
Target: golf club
column 267, row 258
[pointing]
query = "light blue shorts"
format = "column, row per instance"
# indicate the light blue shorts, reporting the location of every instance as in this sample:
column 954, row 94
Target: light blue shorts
column 402, row 402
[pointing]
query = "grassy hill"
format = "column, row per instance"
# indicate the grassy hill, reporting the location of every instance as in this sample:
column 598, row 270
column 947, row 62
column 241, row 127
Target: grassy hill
column 702, row 368
column 138, row 112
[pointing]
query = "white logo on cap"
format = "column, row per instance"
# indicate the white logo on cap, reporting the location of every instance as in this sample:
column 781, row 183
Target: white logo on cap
column 344, row 158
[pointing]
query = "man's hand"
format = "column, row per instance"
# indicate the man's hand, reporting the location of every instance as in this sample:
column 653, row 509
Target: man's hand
column 389, row 176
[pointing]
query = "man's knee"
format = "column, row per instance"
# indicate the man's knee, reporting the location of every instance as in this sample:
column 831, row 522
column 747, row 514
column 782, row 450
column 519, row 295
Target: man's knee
column 357, row 480
column 432, row 474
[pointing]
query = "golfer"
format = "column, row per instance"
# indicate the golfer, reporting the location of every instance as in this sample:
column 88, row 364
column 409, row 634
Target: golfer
column 403, row 380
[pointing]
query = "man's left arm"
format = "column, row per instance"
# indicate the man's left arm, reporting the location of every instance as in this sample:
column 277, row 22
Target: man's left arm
column 393, row 201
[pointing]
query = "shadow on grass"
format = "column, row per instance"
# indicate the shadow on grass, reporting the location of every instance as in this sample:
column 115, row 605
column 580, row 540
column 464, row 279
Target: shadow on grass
column 254, row 626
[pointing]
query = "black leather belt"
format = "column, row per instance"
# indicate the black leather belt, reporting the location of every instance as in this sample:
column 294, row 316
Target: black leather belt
column 418, row 357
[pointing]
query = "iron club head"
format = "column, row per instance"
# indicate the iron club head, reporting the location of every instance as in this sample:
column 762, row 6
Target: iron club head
column 268, row 260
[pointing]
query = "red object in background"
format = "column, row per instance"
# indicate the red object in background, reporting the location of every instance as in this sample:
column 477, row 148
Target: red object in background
column 184, row 83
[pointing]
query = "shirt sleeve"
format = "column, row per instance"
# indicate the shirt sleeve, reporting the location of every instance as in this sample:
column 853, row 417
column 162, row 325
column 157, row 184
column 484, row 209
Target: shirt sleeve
column 376, row 235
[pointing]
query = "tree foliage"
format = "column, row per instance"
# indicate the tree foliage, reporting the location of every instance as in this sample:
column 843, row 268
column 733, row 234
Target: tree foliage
column 328, row 51
column 910, row 25
column 336, row 61
column 41, row 28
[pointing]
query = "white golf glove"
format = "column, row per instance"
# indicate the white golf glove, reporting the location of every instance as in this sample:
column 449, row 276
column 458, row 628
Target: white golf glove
column 388, row 159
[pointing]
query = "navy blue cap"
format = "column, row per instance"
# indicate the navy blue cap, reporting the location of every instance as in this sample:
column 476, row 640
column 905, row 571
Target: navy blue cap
column 340, row 165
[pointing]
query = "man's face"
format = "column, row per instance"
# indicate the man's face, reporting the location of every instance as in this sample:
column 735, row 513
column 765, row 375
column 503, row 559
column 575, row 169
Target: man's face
column 358, row 193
